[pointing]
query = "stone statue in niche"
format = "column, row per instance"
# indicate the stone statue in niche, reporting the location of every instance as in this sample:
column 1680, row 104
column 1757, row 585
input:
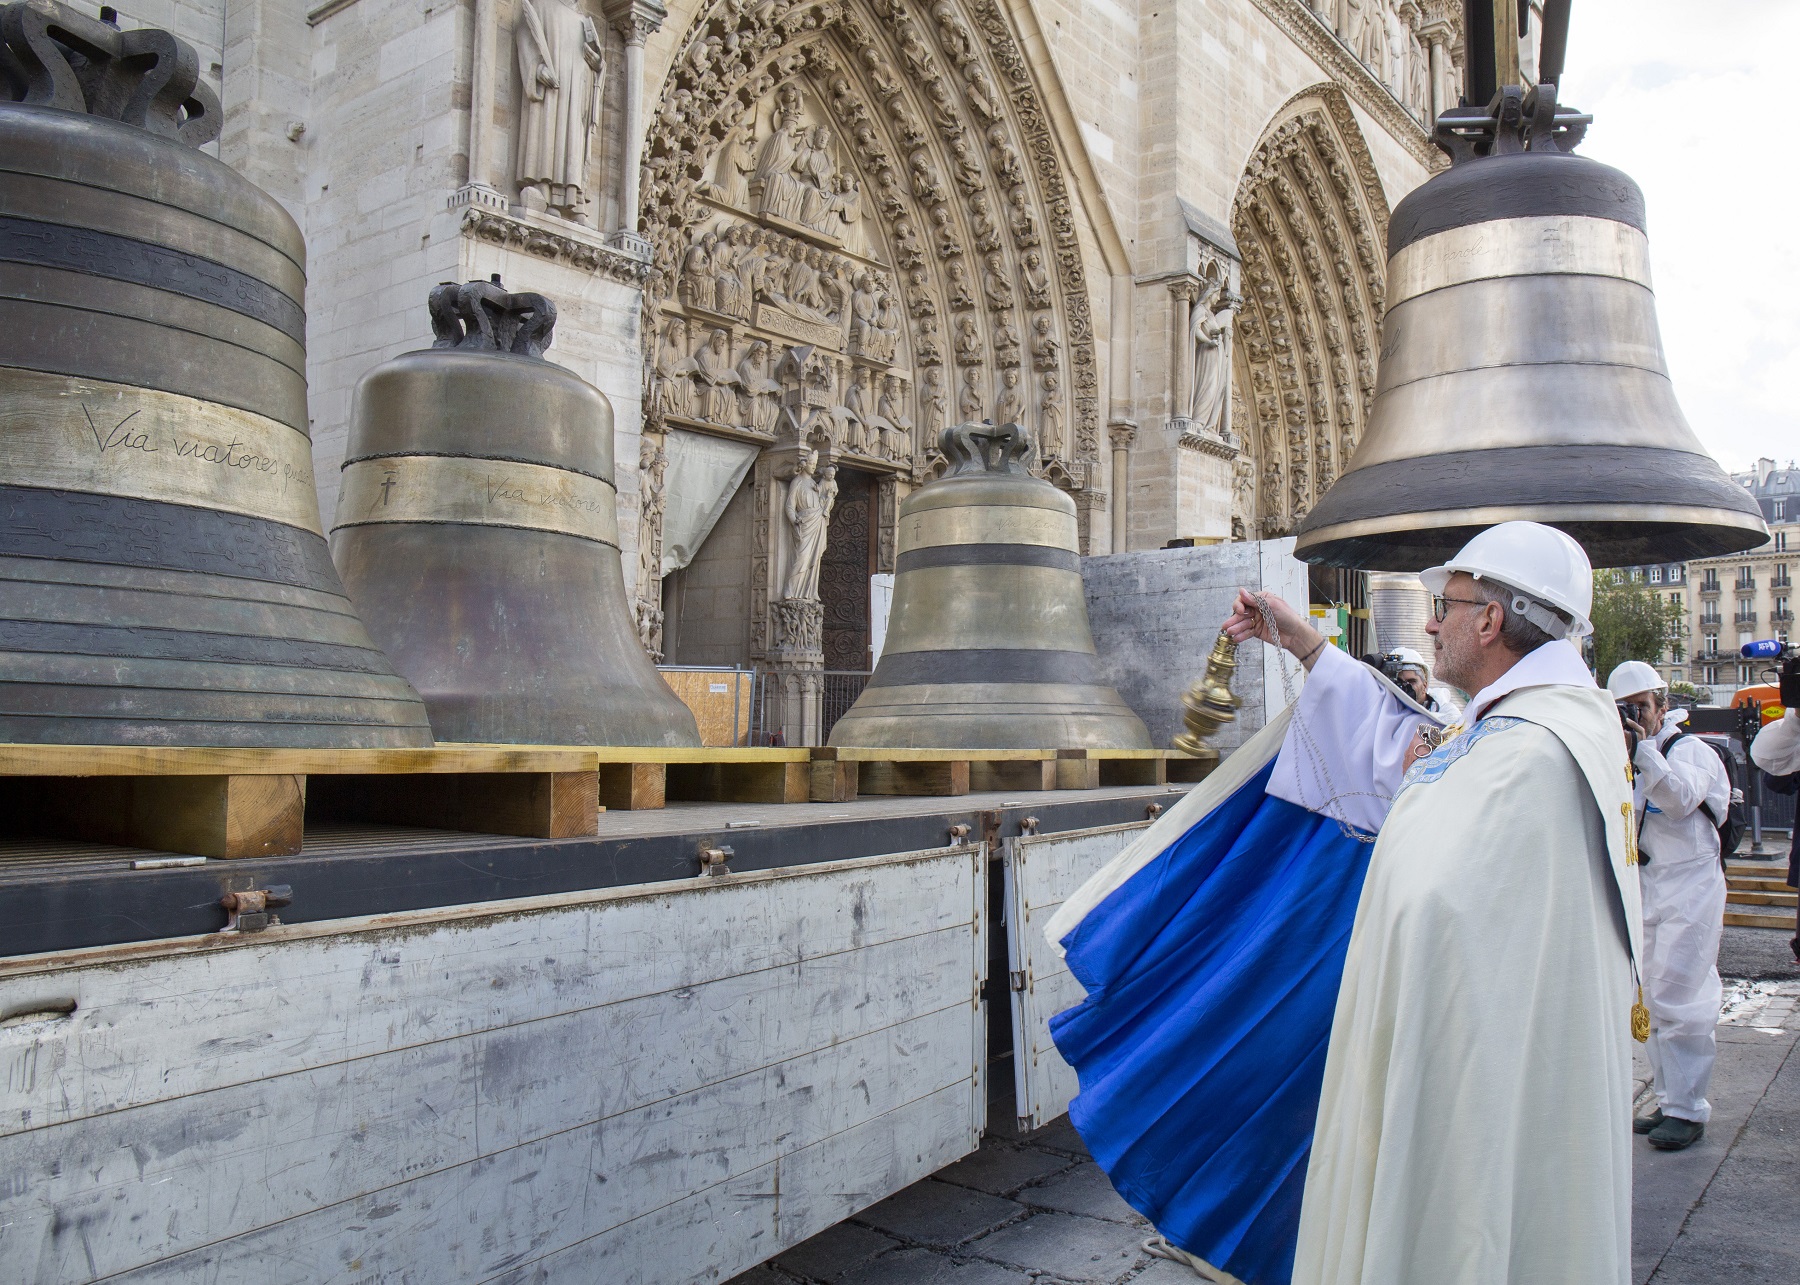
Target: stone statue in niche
column 562, row 64
column 981, row 222
column 1007, row 166
column 968, row 171
column 943, row 232
column 994, row 285
column 808, row 510
column 1023, row 218
column 696, row 286
column 863, row 435
column 962, row 298
column 968, row 342
column 1009, row 404
column 933, row 405
column 1050, row 416
column 1006, row 339
column 970, row 404
column 1243, row 494
column 1037, row 280
column 1046, row 348
column 719, row 378
column 675, row 370
column 886, row 335
column 897, row 436
column 653, row 464
column 1210, row 337
column 763, row 393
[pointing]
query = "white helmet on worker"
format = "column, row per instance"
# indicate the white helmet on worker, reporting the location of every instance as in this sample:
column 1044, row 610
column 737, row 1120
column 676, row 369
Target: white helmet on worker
column 1410, row 659
column 1631, row 677
column 1542, row 566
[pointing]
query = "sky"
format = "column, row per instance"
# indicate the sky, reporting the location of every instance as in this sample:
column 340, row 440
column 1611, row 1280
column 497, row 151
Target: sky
column 1694, row 101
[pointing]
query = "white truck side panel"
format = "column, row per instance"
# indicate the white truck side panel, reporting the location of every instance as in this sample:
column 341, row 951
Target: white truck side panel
column 1042, row 871
column 651, row 1084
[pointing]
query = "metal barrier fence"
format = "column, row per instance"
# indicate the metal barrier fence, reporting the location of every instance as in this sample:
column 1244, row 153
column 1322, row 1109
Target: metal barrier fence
column 842, row 687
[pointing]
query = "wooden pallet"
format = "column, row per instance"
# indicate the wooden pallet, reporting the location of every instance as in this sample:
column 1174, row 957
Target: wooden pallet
column 1747, row 919
column 254, row 802
column 841, row 772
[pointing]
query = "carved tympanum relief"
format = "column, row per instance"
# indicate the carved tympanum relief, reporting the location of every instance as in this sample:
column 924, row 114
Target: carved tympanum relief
column 849, row 177
column 1311, row 222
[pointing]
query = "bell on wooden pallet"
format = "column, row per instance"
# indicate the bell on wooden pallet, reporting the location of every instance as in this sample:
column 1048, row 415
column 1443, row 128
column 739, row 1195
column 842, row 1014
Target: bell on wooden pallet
column 987, row 644
column 1521, row 369
column 477, row 529
column 163, row 576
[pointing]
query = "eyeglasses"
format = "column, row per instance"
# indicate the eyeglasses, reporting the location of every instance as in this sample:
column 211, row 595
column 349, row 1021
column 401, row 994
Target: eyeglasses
column 1440, row 605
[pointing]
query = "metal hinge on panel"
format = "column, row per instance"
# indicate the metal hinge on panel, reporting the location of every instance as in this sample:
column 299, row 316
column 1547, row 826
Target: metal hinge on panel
column 1016, row 979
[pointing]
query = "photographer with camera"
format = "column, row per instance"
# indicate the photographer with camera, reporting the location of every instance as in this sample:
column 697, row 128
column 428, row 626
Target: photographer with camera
column 1682, row 795
column 1776, row 750
column 1416, row 678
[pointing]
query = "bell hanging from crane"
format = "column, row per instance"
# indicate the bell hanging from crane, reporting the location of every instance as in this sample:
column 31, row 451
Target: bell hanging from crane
column 1521, row 371
column 988, row 645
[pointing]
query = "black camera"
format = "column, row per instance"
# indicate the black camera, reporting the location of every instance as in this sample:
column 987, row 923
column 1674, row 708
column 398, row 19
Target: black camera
column 1787, row 676
column 1388, row 665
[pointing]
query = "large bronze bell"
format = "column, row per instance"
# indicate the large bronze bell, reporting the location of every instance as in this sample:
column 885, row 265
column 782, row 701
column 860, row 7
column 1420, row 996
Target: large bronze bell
column 1521, row 370
column 988, row 644
column 163, row 576
column 477, row 529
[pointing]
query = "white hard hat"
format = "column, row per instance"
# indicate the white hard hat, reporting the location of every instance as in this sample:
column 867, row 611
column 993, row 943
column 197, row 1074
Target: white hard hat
column 1632, row 677
column 1411, row 659
column 1538, row 561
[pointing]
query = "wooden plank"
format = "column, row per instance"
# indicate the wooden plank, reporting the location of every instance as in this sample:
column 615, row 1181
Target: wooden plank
column 834, row 781
column 1735, row 919
column 1185, row 770
column 778, row 782
column 866, row 754
column 144, row 1183
column 209, row 816
column 1078, row 774
column 915, row 777
column 148, row 760
column 538, row 805
column 1013, row 774
column 701, row 754
column 420, row 980
column 632, row 787
column 477, row 1218
column 726, row 1229
column 1134, row 771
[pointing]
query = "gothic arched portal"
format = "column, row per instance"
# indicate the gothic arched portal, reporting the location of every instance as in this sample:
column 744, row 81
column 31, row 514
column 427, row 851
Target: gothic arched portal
column 1311, row 221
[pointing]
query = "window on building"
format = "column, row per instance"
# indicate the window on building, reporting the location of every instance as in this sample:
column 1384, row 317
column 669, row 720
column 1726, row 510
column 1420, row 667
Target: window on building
column 1778, row 578
column 1618, row 576
column 1744, row 676
column 1780, row 510
column 1711, row 643
column 1677, row 652
column 1781, row 542
column 1711, row 673
column 1637, row 575
column 1655, row 575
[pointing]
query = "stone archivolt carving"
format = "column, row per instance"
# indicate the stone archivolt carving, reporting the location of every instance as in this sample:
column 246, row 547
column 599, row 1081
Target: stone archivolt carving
column 1050, row 415
column 562, row 66
column 1394, row 56
column 1311, row 222
column 878, row 132
column 653, row 463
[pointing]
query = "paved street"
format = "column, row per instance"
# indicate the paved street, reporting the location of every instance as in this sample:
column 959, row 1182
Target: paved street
column 1036, row 1208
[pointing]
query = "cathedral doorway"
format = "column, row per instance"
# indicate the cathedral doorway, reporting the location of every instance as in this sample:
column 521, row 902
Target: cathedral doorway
column 844, row 572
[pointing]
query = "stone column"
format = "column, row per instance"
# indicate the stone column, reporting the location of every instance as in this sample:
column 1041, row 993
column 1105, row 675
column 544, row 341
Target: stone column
column 1437, row 39
column 1183, row 293
column 634, row 20
column 1123, row 433
column 478, row 190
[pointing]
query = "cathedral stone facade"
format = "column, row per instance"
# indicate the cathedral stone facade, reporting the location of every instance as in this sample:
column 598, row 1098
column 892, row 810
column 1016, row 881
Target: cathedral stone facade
column 791, row 241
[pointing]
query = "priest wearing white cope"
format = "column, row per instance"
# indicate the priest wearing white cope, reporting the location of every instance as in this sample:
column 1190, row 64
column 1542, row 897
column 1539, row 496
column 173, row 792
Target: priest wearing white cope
column 1474, row 1126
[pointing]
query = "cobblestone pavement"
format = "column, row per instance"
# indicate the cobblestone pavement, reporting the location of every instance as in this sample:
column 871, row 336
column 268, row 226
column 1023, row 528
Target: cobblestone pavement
column 1035, row 1208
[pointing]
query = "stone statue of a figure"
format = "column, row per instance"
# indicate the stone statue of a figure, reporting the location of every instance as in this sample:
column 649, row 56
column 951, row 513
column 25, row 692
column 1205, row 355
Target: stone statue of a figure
column 808, row 508
column 1210, row 335
column 563, row 66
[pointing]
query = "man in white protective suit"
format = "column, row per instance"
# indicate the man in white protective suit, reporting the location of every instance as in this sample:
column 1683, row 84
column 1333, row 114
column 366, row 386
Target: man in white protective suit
column 1681, row 794
column 1473, row 1123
